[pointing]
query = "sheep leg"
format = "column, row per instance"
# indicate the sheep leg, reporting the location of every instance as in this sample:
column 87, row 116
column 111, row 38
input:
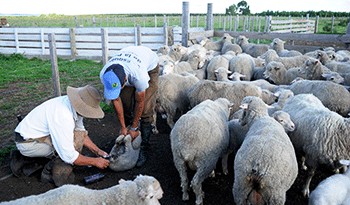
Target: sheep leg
column 306, row 190
column 224, row 163
column 303, row 165
column 181, row 168
column 198, row 179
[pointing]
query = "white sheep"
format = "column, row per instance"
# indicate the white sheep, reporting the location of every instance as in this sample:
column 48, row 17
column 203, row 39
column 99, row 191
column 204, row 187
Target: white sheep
column 277, row 73
column 340, row 67
column 288, row 62
column 252, row 49
column 163, row 50
column 313, row 70
column 244, row 64
column 321, row 135
column 234, row 91
column 222, row 74
column 334, row 96
column 217, row 45
column 144, row 190
column 334, row 190
column 215, row 63
column 125, row 153
column 172, row 95
column 203, row 125
column 278, row 45
column 265, row 166
column 283, row 95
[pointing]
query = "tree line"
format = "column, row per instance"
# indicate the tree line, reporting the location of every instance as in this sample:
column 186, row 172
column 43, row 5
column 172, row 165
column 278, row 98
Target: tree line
column 243, row 8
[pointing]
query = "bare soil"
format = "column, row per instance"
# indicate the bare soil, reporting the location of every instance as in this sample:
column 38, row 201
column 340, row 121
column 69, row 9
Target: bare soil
column 160, row 164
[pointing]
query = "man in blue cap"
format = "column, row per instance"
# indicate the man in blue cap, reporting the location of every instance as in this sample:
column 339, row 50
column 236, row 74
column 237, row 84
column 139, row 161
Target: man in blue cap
column 130, row 80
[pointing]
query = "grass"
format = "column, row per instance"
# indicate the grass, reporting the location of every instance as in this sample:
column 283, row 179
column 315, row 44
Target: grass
column 25, row 83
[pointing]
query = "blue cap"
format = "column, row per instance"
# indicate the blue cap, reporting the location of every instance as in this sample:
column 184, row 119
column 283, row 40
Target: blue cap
column 113, row 80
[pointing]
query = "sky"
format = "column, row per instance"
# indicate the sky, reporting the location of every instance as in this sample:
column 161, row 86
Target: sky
column 79, row 7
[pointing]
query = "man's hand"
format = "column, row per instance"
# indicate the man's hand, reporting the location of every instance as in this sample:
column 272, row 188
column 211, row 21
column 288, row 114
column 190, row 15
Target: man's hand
column 134, row 134
column 101, row 163
column 123, row 131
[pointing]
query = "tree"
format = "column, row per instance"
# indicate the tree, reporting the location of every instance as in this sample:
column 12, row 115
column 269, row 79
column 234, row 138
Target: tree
column 243, row 7
column 232, row 10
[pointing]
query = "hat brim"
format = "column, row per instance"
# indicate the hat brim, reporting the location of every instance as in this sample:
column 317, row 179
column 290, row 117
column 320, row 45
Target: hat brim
column 81, row 107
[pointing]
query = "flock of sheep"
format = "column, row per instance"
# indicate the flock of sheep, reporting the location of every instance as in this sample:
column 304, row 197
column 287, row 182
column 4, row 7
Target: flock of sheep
column 267, row 106
column 264, row 104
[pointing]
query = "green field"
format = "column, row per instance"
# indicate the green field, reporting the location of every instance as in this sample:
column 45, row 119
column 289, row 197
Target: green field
column 328, row 25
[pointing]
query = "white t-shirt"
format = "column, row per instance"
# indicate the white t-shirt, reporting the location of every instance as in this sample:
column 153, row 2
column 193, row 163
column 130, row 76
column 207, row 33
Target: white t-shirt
column 55, row 117
column 137, row 61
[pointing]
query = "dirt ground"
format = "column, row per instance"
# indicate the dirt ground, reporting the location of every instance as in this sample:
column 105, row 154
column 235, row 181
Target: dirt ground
column 160, row 164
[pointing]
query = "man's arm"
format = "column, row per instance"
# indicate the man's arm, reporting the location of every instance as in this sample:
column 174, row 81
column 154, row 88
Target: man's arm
column 88, row 143
column 118, row 106
column 139, row 106
column 98, row 162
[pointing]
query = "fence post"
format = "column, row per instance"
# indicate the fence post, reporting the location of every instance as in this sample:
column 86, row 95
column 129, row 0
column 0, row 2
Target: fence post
column 54, row 65
column 104, row 41
column 332, row 24
column 209, row 17
column 16, row 40
column 73, row 45
column 138, row 35
column 166, row 34
column 316, row 24
column 155, row 21
column 185, row 23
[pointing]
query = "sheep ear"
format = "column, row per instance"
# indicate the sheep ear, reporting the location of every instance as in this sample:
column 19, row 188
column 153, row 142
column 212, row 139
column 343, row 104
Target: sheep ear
column 244, row 106
column 344, row 162
column 121, row 181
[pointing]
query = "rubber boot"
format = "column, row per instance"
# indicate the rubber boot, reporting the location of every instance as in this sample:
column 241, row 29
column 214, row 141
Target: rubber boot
column 18, row 162
column 146, row 130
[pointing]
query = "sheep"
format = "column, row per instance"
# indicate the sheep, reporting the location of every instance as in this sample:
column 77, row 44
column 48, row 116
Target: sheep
column 125, row 153
column 215, row 63
column 277, row 73
column 222, row 74
column 265, row 166
column 278, row 45
column 204, row 124
column 163, row 50
column 143, row 190
column 234, row 91
column 340, row 67
column 334, row 96
column 336, row 78
column 172, row 98
column 321, row 135
column 252, row 49
column 283, row 95
column 334, row 190
column 288, row 62
column 217, row 45
column 238, row 132
column 244, row 64
column 313, row 69
column 229, row 46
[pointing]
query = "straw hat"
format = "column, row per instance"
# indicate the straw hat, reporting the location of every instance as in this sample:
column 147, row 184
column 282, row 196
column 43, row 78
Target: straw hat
column 86, row 101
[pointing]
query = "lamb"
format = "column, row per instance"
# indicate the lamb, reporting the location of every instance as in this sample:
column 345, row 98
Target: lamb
column 336, row 78
column 277, row 73
column 333, row 190
column 143, row 190
column 125, row 153
column 163, row 50
column 340, row 67
column 265, row 166
column 288, row 62
column 234, row 91
column 313, row 70
column 222, row 74
column 252, row 49
column 278, row 45
column 172, row 98
column 334, row 96
column 215, row 63
column 244, row 64
column 283, row 95
column 320, row 134
column 217, row 45
column 204, row 124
